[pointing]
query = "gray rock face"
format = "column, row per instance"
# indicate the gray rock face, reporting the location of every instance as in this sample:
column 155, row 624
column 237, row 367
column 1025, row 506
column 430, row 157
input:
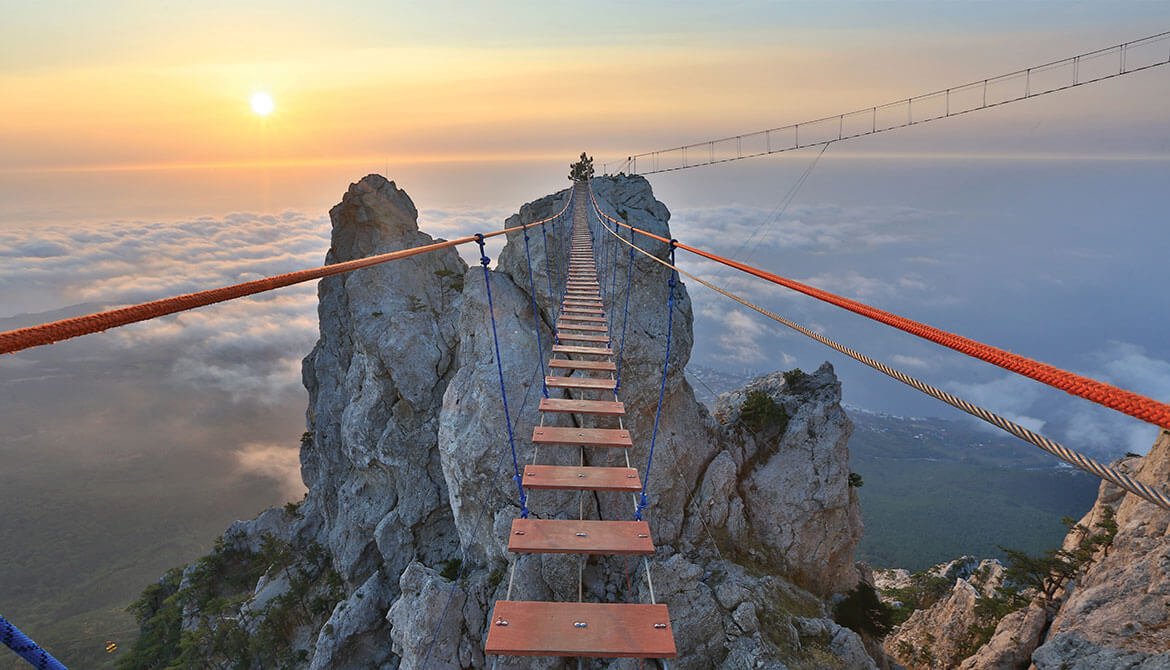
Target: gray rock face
column 1071, row 651
column 1114, row 614
column 793, row 490
column 375, row 382
column 1121, row 605
column 1011, row 646
column 935, row 638
column 408, row 460
column 842, row 642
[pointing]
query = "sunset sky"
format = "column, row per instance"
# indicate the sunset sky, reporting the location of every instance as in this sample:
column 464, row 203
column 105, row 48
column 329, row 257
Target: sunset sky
column 146, row 85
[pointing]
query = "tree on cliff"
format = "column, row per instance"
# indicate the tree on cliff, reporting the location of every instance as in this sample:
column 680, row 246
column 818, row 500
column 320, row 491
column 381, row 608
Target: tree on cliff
column 582, row 170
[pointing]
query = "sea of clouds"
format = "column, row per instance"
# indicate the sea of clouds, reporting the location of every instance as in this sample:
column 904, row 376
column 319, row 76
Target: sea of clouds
column 246, row 355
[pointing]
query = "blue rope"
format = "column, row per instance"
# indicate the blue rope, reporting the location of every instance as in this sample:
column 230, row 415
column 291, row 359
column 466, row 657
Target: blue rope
column 535, row 315
column 484, row 260
column 626, row 315
column 24, row 647
column 643, row 501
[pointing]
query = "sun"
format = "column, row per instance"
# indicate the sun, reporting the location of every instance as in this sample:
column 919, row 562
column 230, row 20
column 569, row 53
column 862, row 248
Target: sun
column 262, row 103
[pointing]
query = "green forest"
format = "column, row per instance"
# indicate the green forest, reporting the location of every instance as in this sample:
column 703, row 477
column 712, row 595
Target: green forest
column 936, row 490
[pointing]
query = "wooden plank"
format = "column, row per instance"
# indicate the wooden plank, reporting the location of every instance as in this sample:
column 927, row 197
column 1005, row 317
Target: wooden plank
column 588, row 383
column 609, row 630
column 590, row 319
column 592, row 327
column 568, row 337
column 570, row 349
column 602, row 366
column 571, row 406
column 581, row 478
column 580, row 302
column 586, row 437
column 589, row 536
column 584, row 311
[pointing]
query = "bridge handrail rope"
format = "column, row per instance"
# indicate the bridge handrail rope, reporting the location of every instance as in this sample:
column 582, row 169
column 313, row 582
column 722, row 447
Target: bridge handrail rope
column 48, row 333
column 23, row 645
column 1148, row 493
column 943, row 102
column 1127, row 402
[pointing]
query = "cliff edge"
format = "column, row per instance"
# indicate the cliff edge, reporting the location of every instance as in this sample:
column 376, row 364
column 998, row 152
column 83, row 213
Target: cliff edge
column 409, row 482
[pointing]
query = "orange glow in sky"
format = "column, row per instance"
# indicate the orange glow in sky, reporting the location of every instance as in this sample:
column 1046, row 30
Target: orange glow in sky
column 146, row 86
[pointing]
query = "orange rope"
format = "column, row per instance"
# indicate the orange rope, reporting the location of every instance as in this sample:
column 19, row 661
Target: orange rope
column 48, row 333
column 1127, row 402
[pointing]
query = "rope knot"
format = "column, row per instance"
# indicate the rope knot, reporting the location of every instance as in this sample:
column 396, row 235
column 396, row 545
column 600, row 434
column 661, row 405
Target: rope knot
column 483, row 257
column 643, row 503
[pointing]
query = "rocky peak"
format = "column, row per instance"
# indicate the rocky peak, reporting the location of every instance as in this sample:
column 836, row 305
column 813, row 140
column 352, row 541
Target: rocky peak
column 408, row 469
column 789, row 443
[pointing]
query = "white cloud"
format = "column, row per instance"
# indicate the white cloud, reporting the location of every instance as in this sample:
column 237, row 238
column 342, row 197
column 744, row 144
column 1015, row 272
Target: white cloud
column 739, row 335
column 810, row 228
column 909, row 361
column 280, row 463
column 1009, row 396
column 1130, row 367
column 249, row 348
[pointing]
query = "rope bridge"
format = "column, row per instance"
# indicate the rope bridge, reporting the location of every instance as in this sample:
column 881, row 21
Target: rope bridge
column 584, row 363
column 583, row 338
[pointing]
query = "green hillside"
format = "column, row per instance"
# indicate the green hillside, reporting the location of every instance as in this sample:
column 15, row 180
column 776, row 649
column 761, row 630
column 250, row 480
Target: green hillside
column 937, row 489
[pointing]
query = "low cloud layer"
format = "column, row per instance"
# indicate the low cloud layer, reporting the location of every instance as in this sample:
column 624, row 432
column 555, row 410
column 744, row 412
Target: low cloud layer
column 276, row 462
column 933, row 267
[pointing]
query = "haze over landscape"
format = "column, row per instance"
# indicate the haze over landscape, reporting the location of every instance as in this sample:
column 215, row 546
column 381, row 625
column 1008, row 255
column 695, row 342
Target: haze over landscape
column 133, row 168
